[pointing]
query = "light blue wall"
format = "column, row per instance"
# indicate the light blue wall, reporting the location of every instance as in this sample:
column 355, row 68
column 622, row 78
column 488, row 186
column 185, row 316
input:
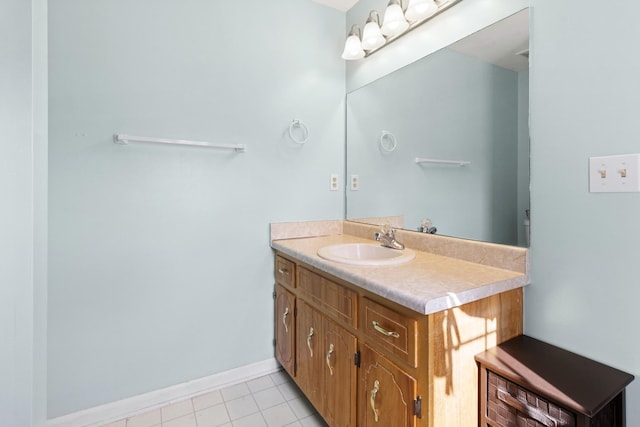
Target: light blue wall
column 583, row 96
column 16, row 215
column 160, row 266
column 124, row 309
column 22, row 215
column 445, row 106
column 584, row 257
column 524, row 150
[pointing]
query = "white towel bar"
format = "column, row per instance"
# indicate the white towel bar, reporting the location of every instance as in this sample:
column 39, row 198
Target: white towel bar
column 125, row 139
column 444, row 162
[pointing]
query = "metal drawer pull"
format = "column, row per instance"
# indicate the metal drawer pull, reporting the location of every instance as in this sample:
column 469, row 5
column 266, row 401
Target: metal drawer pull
column 283, row 270
column 329, row 353
column 383, row 331
column 309, row 341
column 284, row 320
column 528, row 410
column 374, row 392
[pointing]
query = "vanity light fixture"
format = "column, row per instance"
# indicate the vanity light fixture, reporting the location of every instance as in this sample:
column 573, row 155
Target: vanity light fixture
column 398, row 20
column 394, row 21
column 420, row 9
column 353, row 46
column 372, row 37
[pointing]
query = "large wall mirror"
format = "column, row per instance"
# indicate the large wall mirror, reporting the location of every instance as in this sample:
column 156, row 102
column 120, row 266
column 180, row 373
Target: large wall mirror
column 467, row 102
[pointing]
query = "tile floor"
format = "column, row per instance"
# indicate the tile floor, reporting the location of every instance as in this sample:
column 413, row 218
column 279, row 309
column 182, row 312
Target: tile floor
column 268, row 401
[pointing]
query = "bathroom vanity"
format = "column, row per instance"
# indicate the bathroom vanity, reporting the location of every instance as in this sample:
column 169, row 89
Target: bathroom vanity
column 392, row 345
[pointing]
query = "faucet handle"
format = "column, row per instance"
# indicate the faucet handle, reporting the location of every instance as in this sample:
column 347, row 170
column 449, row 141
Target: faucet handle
column 387, row 229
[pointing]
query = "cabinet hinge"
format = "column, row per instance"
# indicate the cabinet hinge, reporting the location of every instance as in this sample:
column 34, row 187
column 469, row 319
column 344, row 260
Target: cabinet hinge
column 417, row 407
column 274, row 294
column 356, row 358
column 295, row 311
column 274, row 342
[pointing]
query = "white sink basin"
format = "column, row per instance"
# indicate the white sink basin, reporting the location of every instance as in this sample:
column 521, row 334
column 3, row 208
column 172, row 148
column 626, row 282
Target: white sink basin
column 365, row 254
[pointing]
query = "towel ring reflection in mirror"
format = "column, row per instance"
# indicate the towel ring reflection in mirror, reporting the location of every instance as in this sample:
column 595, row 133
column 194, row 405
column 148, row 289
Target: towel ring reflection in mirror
column 297, row 127
column 388, row 141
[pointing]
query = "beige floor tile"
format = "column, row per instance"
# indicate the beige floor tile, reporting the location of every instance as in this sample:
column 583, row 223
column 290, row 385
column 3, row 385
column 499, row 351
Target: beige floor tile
column 148, row 419
column 268, row 398
column 185, row 421
column 280, row 377
column 213, row 416
column 239, row 408
column 279, row 415
column 260, row 384
column 301, row 407
column 289, row 390
column 254, row 420
column 207, row 400
column 236, row 391
column 176, row 410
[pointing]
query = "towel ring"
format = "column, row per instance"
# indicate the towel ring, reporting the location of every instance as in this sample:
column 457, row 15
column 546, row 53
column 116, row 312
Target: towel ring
column 305, row 130
column 388, row 141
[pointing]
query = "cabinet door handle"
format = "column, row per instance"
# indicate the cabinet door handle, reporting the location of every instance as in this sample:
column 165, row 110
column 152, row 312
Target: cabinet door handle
column 309, row 341
column 383, row 331
column 528, row 410
column 329, row 353
column 284, row 320
column 374, row 392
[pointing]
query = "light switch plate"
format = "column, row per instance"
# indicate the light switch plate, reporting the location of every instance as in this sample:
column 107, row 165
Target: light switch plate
column 355, row 182
column 614, row 174
column 333, row 182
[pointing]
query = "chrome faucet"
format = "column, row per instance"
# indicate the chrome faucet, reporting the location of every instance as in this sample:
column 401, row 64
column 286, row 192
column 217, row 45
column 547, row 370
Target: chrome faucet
column 387, row 238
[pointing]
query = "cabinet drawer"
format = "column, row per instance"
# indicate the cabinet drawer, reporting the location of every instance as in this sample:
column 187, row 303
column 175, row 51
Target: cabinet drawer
column 510, row 405
column 336, row 300
column 285, row 271
column 393, row 331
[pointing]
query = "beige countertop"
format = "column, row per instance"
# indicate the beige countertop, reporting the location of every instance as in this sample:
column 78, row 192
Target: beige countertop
column 428, row 284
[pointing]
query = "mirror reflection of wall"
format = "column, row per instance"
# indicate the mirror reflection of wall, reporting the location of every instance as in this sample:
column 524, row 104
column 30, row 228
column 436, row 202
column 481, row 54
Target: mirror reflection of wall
column 450, row 105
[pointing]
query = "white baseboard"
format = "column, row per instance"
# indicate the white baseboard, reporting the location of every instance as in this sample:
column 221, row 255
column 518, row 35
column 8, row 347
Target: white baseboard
column 124, row 408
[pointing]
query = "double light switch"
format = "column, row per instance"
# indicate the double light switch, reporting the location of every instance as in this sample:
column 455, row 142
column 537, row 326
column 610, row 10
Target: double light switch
column 614, row 174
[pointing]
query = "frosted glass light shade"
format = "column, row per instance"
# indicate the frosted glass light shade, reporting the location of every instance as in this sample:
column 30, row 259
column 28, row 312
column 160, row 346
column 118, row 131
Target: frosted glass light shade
column 353, row 48
column 394, row 21
column 420, row 9
column 372, row 37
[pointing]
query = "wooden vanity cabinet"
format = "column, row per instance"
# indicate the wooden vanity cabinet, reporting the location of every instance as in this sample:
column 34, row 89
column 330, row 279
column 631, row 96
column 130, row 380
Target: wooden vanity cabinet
column 388, row 395
column 326, row 370
column 285, row 306
column 365, row 361
column 285, row 303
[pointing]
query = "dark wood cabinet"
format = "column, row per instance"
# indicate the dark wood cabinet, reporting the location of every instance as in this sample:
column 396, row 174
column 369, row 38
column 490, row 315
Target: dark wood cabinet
column 526, row 382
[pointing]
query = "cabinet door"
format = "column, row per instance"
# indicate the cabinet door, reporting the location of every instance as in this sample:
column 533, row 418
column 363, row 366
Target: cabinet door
column 340, row 375
column 310, row 354
column 285, row 329
column 387, row 393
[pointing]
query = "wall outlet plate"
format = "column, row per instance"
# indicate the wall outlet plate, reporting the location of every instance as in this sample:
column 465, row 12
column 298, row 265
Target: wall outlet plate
column 355, row 182
column 333, row 182
column 614, row 174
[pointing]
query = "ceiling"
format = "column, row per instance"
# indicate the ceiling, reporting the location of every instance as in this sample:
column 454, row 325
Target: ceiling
column 342, row 5
column 503, row 43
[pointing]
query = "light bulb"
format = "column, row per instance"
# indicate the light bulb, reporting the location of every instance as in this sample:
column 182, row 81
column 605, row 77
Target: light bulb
column 372, row 37
column 394, row 21
column 420, row 9
column 352, row 46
